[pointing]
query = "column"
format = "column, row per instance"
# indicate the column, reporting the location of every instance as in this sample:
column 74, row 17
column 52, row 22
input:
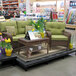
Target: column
column 56, row 5
column 64, row 10
column 27, row 6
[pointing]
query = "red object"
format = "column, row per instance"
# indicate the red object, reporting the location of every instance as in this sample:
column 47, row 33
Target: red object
column 54, row 15
column 14, row 16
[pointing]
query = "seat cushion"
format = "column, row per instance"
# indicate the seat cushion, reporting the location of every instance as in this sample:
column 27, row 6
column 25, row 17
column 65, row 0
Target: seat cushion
column 15, row 38
column 59, row 37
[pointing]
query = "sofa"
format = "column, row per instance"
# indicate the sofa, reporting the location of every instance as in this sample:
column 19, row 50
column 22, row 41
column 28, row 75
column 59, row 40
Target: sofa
column 20, row 30
column 57, row 34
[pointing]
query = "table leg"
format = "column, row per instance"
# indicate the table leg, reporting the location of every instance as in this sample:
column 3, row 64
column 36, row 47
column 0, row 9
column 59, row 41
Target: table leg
column 47, row 48
column 28, row 53
column 19, row 48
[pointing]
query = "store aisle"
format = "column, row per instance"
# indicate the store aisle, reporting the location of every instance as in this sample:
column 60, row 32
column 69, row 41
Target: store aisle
column 61, row 67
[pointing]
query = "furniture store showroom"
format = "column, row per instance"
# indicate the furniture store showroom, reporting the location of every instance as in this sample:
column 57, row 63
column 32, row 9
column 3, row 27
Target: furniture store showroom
column 38, row 37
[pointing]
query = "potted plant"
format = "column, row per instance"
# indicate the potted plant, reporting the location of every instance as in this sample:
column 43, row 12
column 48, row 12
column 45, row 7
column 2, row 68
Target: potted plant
column 2, row 43
column 0, row 48
column 8, row 48
column 39, row 26
column 0, row 35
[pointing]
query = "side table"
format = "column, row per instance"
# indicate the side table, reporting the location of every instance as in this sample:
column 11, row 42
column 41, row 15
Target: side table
column 28, row 43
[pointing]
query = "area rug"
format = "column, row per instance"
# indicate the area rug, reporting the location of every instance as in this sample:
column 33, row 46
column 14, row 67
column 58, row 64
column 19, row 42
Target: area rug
column 38, row 54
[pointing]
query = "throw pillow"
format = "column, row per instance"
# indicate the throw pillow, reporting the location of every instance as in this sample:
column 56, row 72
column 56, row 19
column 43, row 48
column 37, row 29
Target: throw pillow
column 11, row 30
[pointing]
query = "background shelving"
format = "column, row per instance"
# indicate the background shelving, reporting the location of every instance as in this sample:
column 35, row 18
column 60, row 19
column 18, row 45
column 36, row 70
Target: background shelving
column 10, row 5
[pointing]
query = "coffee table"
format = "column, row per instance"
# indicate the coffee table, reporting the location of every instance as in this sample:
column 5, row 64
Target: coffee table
column 28, row 43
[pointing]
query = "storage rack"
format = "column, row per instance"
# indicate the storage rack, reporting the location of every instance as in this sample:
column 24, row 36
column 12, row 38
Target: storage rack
column 0, row 5
column 10, row 5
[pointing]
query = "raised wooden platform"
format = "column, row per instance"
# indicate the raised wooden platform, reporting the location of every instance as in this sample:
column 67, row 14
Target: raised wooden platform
column 71, row 26
column 27, row 64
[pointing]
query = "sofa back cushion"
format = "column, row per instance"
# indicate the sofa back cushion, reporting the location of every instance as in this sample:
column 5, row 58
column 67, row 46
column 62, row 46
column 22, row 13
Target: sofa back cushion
column 55, row 28
column 21, row 26
column 28, row 28
column 8, row 23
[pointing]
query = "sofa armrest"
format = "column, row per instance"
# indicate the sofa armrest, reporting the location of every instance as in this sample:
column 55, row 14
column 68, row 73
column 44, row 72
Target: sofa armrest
column 48, row 34
column 69, row 38
column 7, row 35
column 67, row 34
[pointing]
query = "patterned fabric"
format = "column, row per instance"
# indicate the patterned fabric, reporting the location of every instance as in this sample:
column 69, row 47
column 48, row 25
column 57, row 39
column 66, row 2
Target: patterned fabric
column 11, row 30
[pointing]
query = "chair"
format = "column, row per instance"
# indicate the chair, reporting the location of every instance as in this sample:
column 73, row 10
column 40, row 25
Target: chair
column 57, row 34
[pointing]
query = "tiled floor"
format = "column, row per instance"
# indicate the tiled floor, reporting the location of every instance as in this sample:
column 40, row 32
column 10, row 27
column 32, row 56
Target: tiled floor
column 61, row 67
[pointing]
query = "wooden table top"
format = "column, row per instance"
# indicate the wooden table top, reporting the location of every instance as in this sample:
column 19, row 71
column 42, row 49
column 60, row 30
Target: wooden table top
column 32, row 42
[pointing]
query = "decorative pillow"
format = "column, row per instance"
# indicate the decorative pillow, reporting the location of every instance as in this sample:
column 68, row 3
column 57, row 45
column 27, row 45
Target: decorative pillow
column 28, row 28
column 11, row 30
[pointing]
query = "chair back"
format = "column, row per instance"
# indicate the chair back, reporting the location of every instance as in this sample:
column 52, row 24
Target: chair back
column 56, row 28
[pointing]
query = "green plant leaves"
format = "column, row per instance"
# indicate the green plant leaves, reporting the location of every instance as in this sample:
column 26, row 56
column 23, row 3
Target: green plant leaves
column 39, row 25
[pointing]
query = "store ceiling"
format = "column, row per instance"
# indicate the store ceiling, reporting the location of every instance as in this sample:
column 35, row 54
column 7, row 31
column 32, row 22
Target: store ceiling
column 44, row 0
column 40, row 0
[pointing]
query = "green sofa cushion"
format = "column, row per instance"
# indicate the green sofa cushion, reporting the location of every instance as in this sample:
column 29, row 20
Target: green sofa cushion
column 55, row 28
column 29, row 23
column 15, row 38
column 55, row 31
column 8, row 23
column 28, row 28
column 21, row 26
column 59, row 37
column 2, row 26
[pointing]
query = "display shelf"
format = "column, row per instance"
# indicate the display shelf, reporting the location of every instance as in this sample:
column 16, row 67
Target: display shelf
column 10, row 1
column 10, row 5
column 71, row 26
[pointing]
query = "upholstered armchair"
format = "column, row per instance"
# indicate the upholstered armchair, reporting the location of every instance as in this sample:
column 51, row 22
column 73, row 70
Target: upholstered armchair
column 57, row 34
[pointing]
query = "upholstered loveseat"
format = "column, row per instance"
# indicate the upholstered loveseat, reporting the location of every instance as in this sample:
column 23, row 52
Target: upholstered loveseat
column 20, row 30
column 57, row 34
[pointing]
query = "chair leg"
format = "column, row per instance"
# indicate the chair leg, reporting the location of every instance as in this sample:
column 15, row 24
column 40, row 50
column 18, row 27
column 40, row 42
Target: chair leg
column 75, row 53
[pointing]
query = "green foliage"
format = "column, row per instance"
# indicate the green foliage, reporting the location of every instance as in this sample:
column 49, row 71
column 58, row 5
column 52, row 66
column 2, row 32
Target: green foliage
column 39, row 25
column 9, row 46
column 3, row 44
column 0, row 44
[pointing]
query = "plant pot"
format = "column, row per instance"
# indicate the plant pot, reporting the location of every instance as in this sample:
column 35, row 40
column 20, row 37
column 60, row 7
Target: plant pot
column 70, row 46
column 42, row 34
column 8, row 52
